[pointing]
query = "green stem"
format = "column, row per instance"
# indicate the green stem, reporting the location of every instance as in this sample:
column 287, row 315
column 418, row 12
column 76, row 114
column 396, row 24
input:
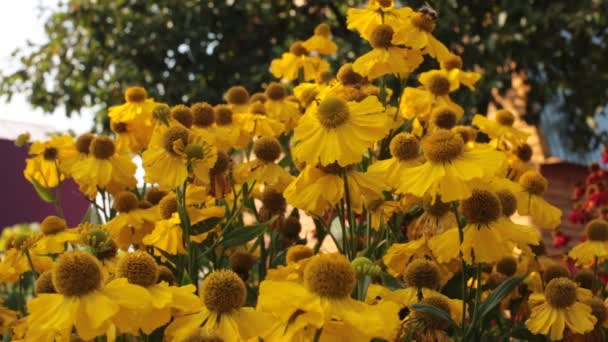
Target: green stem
column 464, row 267
column 351, row 218
column 185, row 223
column 595, row 275
column 477, row 301
column 340, row 210
column 29, row 260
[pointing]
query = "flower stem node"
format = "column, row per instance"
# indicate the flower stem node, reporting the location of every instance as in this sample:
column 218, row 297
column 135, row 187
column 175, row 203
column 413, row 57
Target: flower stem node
column 223, row 291
column 76, row 274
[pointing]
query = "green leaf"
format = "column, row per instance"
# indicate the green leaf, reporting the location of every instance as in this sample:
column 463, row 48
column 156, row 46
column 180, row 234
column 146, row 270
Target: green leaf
column 206, row 225
column 45, row 194
column 433, row 310
column 240, row 235
column 390, row 281
column 498, row 295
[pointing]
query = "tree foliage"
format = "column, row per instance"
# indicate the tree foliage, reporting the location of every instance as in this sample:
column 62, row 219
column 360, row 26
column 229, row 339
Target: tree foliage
column 190, row 50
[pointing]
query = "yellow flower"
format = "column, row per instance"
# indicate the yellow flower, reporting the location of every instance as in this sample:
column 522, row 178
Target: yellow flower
column 137, row 106
column 296, row 257
column 221, row 312
column 434, row 93
column 45, row 166
column 423, row 280
column 501, row 128
column 377, row 12
column 529, row 191
column 562, row 305
column 436, row 218
column 132, row 135
column 297, row 61
column 15, row 261
column 405, row 152
column 344, row 129
column 55, row 236
column 140, row 269
column 400, row 254
column 416, row 32
column 381, row 212
column 168, row 232
column 321, row 41
column 82, row 300
column 104, row 168
column 596, row 245
column 168, row 159
column 263, row 169
column 454, row 63
column 229, row 134
column 328, row 282
column 257, row 123
column 449, row 168
column 280, row 108
column 132, row 222
column 488, row 235
column 386, row 58
column 319, row 188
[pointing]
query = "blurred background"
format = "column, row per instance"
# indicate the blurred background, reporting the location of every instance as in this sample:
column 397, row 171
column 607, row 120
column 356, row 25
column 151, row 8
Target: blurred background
column 63, row 63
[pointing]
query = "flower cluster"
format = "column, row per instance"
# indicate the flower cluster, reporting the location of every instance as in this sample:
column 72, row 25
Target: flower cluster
column 413, row 238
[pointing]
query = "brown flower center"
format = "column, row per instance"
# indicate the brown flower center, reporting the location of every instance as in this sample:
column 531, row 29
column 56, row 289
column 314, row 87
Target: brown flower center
column 442, row 146
column 482, row 207
column 333, row 112
column 102, row 147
